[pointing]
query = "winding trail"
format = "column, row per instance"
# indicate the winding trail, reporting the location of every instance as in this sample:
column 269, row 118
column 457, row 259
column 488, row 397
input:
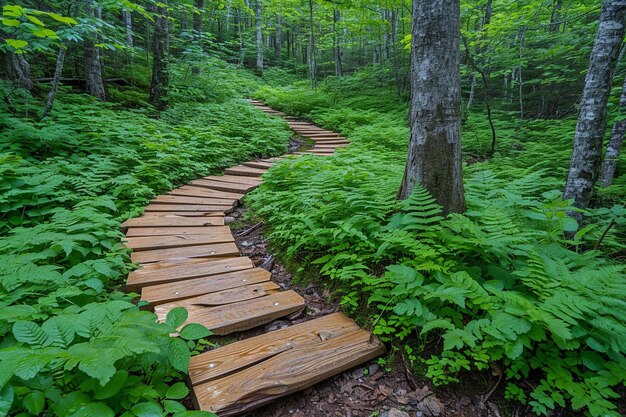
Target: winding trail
column 189, row 258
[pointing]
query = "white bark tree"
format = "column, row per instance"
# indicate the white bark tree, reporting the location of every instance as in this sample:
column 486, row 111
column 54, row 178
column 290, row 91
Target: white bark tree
column 615, row 143
column 589, row 137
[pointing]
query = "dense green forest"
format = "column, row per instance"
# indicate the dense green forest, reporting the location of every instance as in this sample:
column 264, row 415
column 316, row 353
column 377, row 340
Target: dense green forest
column 511, row 263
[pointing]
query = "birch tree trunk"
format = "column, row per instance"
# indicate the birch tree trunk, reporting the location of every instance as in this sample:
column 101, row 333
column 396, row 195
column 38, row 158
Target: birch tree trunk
column 259, row 35
column 589, row 137
column 615, row 143
column 312, row 57
column 127, row 17
column 336, row 46
column 19, row 68
column 434, row 159
column 279, row 38
column 54, row 87
column 93, row 64
column 160, row 74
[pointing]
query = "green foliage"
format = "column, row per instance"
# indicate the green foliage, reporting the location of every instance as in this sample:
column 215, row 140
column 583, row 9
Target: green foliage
column 72, row 344
column 502, row 282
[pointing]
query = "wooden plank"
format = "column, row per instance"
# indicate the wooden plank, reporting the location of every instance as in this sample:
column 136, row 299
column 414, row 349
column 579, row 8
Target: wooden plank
column 177, row 290
column 177, row 270
column 188, row 207
column 224, row 186
column 245, row 171
column 139, row 244
column 172, row 221
column 315, row 149
column 243, row 315
column 200, row 251
column 191, row 191
column 170, row 231
column 230, row 296
column 258, row 164
column 177, row 199
column 237, row 179
column 239, row 355
column 219, row 213
column 285, row 373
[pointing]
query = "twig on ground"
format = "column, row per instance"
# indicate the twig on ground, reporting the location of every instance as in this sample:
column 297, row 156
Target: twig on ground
column 249, row 230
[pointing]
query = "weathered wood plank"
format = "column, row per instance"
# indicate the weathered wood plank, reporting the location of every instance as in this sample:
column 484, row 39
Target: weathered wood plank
column 223, row 186
column 240, row 316
column 175, row 270
column 188, row 207
column 237, row 179
column 235, row 356
column 170, row 231
column 245, row 171
column 185, row 288
column 285, row 373
column 200, row 251
column 173, row 221
column 174, row 241
column 258, row 164
column 218, row 298
column 177, row 199
column 191, row 191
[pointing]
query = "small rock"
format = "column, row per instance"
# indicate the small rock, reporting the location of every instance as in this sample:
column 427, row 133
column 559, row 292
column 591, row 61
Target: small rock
column 431, row 406
column 228, row 219
column 245, row 243
column 373, row 368
column 394, row 412
column 276, row 325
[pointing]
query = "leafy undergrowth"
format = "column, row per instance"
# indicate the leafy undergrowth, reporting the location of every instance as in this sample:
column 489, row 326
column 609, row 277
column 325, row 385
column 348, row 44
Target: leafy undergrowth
column 500, row 284
column 72, row 343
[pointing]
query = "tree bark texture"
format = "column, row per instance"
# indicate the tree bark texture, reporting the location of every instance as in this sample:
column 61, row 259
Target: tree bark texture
column 279, row 38
column 127, row 17
column 615, row 143
column 434, row 158
column 336, row 46
column 54, row 86
column 589, row 137
column 312, row 51
column 93, row 63
column 259, row 35
column 160, row 74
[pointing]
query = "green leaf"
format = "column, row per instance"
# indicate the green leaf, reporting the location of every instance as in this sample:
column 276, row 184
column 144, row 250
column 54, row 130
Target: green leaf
column 147, row 409
column 30, row 333
column 60, row 331
column 113, row 386
column 17, row 44
column 6, row 399
column 62, row 19
column 194, row 331
column 177, row 316
column 35, row 20
column 178, row 391
column 94, row 409
column 10, row 22
column 178, row 354
column 45, row 33
column 173, row 407
column 34, row 402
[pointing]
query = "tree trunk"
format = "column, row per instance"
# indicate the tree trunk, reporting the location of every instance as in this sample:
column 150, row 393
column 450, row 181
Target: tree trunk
column 128, row 27
column 434, row 159
column 160, row 75
column 242, row 47
column 197, row 17
column 19, row 69
column 93, row 65
column 555, row 19
column 54, row 87
column 336, row 46
column 615, row 143
column 259, row 35
column 589, row 136
column 312, row 57
column 279, row 38
column 520, row 83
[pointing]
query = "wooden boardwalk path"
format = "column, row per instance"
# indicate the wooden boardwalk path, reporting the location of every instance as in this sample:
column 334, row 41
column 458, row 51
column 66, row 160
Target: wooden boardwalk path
column 189, row 258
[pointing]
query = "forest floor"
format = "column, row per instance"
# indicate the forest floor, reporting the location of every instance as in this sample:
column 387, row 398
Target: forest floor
column 387, row 390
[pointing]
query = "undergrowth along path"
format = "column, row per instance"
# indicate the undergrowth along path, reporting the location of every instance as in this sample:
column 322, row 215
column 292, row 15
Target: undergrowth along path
column 189, row 259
